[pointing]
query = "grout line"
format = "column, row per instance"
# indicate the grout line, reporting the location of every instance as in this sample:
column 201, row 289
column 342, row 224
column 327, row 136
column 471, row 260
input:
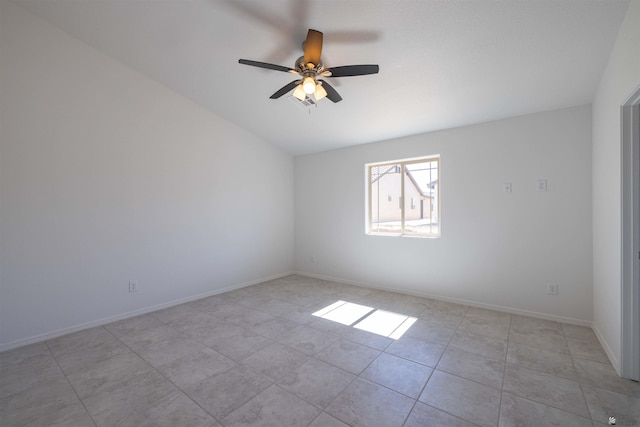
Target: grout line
column 167, row 379
column 70, row 385
column 504, row 368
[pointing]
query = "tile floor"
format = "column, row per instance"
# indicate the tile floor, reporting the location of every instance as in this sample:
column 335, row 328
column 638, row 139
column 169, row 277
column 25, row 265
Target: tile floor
column 257, row 357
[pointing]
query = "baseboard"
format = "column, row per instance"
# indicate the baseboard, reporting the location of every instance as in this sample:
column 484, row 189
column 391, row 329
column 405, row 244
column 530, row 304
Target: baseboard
column 607, row 349
column 545, row 316
column 64, row 331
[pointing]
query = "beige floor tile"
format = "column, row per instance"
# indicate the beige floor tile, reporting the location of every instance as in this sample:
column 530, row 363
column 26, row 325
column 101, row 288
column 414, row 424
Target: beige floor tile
column 326, row 420
column 275, row 361
column 138, row 323
column 473, row 367
column 442, row 318
column 591, row 350
column 194, row 367
column 348, row 355
column 547, row 339
column 366, row 338
column 604, row 404
column 541, row 360
column 493, row 327
column 491, row 347
column 474, row 402
column 176, row 314
column 231, row 311
column 249, row 319
column 31, row 405
column 167, row 351
column 483, row 313
column 427, row 331
column 365, row 404
column 445, row 307
column 398, row 374
column 241, row 346
column 84, row 358
column 175, row 410
column 417, row 350
column 211, row 335
column 316, row 382
column 73, row 415
column 534, row 324
column 81, row 340
column 208, row 304
column 136, row 394
column 20, row 376
column 225, row 392
column 194, row 320
column 424, row 415
column 576, row 332
column 547, row 389
column 23, row 356
column 603, row 375
column 109, row 373
column 275, row 328
column 517, row 411
column 274, row 407
column 308, row 340
column 140, row 339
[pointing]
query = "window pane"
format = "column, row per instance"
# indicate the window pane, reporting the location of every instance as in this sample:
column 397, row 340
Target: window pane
column 386, row 210
column 421, row 183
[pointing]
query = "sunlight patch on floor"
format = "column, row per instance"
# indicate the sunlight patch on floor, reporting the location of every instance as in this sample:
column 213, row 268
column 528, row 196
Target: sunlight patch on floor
column 365, row 318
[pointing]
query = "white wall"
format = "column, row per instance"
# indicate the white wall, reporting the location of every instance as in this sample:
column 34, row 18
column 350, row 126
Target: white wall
column 107, row 176
column 619, row 81
column 496, row 249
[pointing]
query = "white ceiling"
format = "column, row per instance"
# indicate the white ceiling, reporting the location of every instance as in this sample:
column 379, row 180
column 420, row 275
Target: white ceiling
column 442, row 63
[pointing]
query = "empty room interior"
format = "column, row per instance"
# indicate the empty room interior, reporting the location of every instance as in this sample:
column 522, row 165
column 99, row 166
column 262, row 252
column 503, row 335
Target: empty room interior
column 319, row 213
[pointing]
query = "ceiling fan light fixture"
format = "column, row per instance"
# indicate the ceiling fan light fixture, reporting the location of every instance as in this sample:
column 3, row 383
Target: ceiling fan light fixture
column 300, row 93
column 309, row 67
column 320, row 92
column 309, row 85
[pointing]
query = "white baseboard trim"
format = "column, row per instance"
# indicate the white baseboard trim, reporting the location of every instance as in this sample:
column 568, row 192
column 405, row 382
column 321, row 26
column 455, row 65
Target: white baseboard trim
column 545, row 316
column 64, row 331
column 607, row 349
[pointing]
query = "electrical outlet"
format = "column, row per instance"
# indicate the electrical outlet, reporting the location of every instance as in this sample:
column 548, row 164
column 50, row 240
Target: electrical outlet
column 133, row 286
column 552, row 288
column 541, row 185
column 506, row 187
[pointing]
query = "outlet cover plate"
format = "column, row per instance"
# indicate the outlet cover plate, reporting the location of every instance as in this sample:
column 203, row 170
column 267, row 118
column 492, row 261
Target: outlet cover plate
column 133, row 286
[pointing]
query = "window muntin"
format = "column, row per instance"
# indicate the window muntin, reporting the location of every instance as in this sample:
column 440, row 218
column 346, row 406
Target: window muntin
column 404, row 197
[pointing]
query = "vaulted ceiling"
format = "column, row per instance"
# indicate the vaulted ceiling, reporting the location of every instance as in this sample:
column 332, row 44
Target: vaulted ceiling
column 442, row 63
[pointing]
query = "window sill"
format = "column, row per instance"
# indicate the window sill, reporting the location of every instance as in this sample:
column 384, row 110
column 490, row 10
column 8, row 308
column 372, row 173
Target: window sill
column 414, row 236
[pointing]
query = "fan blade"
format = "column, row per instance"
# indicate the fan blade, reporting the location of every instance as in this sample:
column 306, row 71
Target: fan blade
column 266, row 65
column 354, row 70
column 331, row 92
column 313, row 47
column 285, row 89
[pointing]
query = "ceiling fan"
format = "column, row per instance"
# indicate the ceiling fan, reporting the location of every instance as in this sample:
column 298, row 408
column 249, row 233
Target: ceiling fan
column 309, row 68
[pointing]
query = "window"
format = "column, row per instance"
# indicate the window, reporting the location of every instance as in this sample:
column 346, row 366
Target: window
column 404, row 197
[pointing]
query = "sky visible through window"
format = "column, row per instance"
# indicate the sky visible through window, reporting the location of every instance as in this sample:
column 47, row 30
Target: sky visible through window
column 380, row 322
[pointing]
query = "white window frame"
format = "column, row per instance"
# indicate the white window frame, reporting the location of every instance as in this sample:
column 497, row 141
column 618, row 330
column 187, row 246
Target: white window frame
column 369, row 229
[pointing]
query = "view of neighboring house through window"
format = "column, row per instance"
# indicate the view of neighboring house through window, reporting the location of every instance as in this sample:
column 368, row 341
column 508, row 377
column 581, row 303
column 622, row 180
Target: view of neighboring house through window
column 404, row 197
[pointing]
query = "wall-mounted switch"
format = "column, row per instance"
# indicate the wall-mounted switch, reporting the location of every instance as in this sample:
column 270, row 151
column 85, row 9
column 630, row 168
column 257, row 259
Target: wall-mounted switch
column 552, row 288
